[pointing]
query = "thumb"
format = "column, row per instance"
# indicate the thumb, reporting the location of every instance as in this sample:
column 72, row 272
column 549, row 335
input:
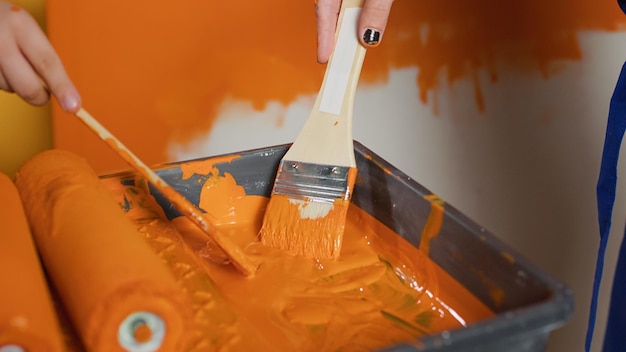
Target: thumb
column 373, row 21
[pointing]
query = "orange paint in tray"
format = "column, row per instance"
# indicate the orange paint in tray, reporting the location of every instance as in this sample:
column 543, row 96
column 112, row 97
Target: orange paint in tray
column 380, row 292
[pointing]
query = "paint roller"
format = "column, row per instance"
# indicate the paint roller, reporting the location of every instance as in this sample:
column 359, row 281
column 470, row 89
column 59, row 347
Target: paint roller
column 119, row 295
column 28, row 321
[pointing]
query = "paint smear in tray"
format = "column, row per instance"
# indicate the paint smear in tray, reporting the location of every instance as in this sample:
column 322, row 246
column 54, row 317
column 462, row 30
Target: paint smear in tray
column 156, row 73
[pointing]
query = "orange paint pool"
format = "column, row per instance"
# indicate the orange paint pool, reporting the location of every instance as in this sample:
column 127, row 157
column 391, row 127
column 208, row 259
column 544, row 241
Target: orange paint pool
column 380, row 291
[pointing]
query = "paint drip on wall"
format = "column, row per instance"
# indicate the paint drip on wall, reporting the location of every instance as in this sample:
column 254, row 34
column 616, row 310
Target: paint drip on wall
column 457, row 39
column 159, row 74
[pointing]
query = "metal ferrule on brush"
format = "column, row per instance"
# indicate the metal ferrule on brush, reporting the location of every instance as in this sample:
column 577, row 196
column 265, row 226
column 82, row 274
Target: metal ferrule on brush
column 315, row 182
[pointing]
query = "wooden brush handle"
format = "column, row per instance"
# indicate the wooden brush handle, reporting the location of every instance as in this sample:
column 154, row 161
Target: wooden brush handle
column 329, row 126
column 237, row 257
column 344, row 65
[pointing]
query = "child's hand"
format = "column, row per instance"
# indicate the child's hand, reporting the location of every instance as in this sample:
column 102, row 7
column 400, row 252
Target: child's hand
column 28, row 63
column 372, row 24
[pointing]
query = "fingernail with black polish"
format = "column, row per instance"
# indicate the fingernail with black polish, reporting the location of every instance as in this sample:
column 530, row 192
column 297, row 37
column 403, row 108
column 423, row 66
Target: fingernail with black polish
column 371, row 36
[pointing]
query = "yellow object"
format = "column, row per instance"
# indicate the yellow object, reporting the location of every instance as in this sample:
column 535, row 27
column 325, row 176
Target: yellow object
column 24, row 129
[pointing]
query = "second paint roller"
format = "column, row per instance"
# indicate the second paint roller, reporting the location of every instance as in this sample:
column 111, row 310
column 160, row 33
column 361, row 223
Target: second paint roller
column 118, row 293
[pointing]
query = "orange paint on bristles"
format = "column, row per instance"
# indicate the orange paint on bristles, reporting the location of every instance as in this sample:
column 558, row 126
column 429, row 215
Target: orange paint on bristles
column 284, row 228
column 285, row 225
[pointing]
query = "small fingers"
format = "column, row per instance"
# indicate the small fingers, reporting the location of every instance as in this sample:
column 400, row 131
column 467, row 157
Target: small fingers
column 51, row 71
column 4, row 85
column 29, row 66
column 16, row 73
column 373, row 21
column 37, row 49
column 372, row 24
column 19, row 77
column 327, row 12
column 49, row 67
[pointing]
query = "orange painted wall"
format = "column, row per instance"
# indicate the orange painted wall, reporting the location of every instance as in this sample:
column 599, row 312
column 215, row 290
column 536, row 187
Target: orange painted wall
column 155, row 72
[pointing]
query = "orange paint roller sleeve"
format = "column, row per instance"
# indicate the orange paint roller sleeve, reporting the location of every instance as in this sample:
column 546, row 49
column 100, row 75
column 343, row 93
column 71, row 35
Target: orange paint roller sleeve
column 27, row 317
column 119, row 294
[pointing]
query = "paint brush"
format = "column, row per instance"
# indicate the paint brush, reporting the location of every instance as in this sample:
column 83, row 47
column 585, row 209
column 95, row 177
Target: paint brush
column 307, row 210
column 188, row 209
